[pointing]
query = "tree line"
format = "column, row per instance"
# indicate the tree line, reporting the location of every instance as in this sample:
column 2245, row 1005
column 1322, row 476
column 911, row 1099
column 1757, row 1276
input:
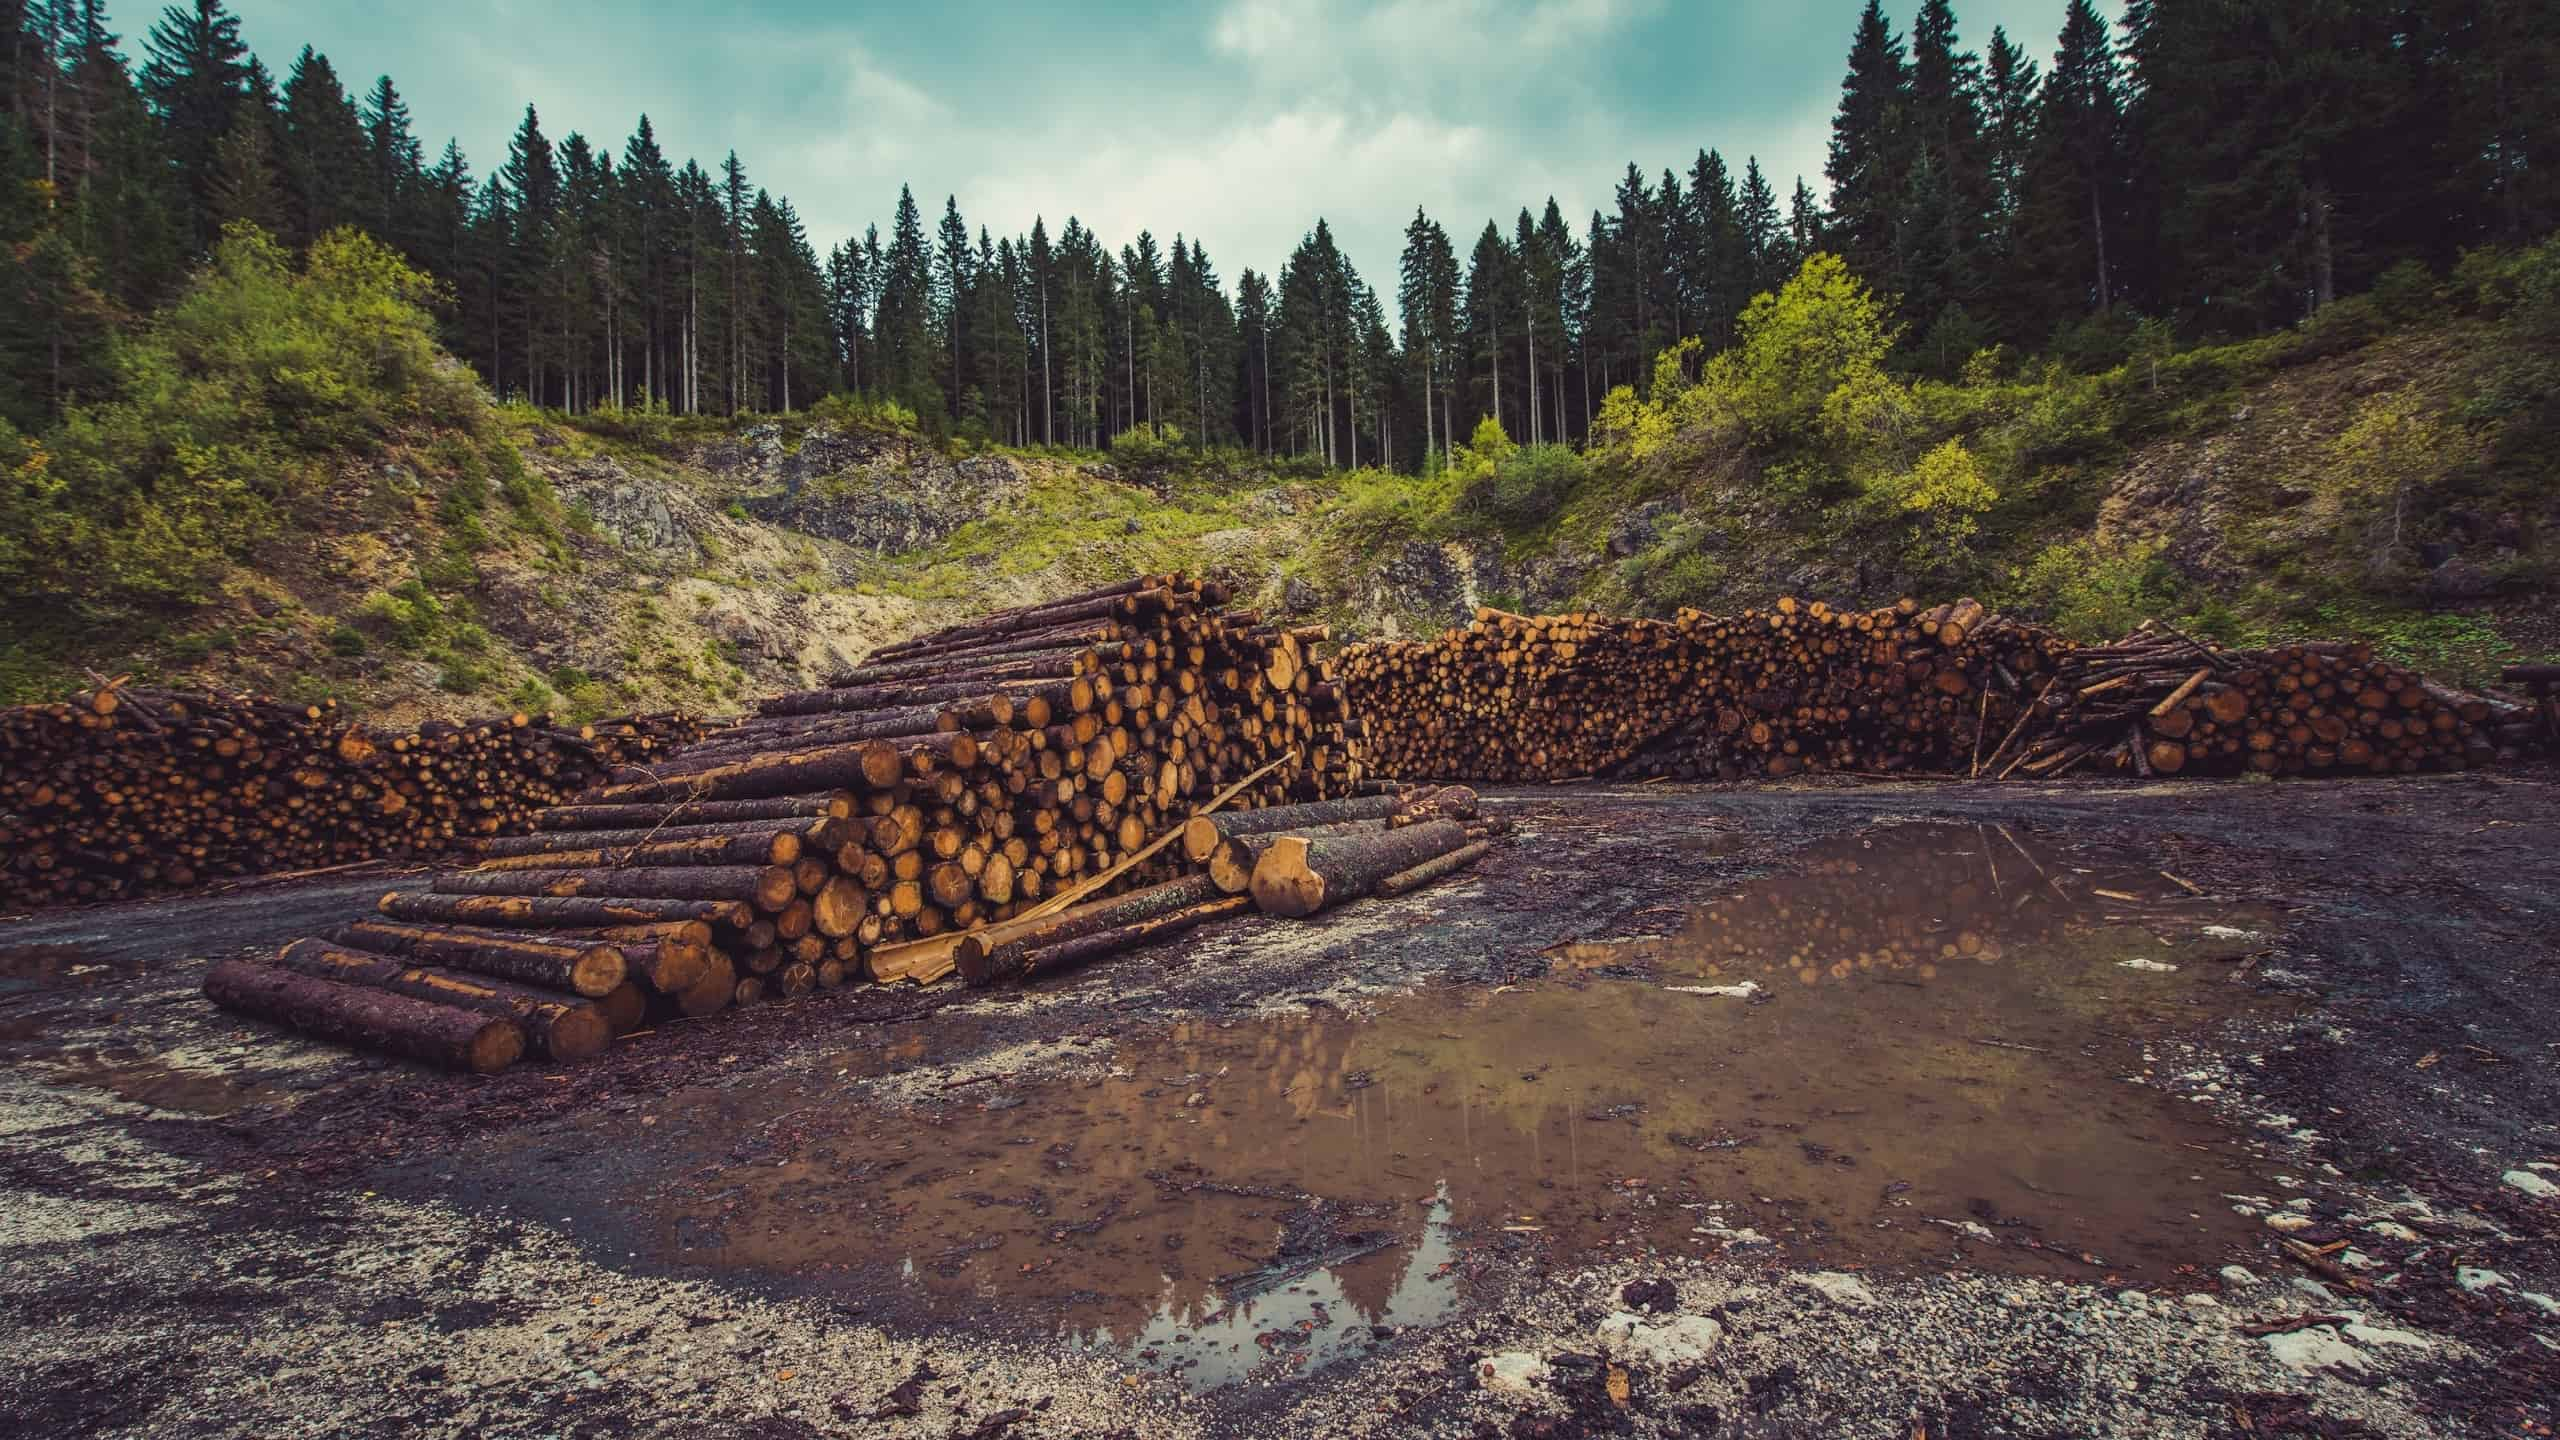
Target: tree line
column 2227, row 165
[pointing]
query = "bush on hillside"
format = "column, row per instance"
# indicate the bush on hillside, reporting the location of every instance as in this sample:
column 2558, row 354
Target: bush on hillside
column 233, row 404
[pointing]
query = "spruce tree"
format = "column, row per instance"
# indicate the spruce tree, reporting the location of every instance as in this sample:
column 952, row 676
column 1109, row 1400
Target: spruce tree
column 1869, row 164
column 197, row 79
column 2074, row 186
column 325, row 165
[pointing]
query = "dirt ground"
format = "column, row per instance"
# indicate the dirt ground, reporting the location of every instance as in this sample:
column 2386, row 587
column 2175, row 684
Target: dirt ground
column 213, row 1229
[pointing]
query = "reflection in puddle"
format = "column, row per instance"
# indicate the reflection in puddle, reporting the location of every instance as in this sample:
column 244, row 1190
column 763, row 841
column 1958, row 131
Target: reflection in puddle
column 1934, row 1068
column 137, row 1077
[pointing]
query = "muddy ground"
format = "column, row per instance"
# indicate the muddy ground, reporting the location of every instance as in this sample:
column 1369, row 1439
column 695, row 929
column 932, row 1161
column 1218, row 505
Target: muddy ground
column 2262, row 1138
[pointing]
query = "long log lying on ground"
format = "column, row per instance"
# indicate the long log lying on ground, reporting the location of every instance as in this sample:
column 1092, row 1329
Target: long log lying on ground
column 560, row 1027
column 767, row 887
column 367, row 1018
column 1084, row 949
column 1299, row 876
column 981, row 964
column 825, row 804
column 1406, row 881
column 541, row 912
column 588, row 968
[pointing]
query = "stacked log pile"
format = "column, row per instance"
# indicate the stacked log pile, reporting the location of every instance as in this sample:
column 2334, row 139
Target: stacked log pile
column 1797, row 687
column 1954, row 690
column 989, row 785
column 125, row 791
column 2158, row 702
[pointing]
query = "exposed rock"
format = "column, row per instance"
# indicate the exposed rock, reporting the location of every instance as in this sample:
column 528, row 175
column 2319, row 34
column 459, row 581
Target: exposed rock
column 1297, row 596
column 658, row 520
column 1512, row 1372
column 885, row 493
column 1638, row 529
column 1844, row 1290
column 2475, row 1280
column 2532, row 1184
column 2318, row 1347
column 1664, row 1345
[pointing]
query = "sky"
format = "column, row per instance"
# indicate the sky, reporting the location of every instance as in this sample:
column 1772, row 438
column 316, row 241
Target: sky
column 1234, row 122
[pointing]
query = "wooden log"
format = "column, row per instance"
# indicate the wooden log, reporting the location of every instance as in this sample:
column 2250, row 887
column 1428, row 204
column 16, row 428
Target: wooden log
column 1404, row 881
column 983, row 964
column 581, row 967
column 1298, row 877
column 713, row 992
column 1200, row 836
column 770, row 848
column 825, row 804
column 767, row 887
column 557, row 1026
column 367, row 1018
column 543, row 912
column 1081, row 949
column 860, row 765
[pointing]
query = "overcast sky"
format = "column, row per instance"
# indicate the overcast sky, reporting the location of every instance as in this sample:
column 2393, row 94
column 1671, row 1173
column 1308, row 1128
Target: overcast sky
column 1237, row 122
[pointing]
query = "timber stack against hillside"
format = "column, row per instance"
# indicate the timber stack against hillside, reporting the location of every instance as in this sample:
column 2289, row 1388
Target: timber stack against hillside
column 1950, row 691
column 1000, row 798
column 124, row 791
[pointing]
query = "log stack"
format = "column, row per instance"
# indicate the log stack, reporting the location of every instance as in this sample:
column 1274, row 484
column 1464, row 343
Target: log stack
column 125, row 791
column 1954, row 690
column 1797, row 687
column 978, row 782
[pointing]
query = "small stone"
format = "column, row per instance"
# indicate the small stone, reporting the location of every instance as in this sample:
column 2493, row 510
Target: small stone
column 2200, row 1301
column 2315, row 1348
column 2288, row 1220
column 2394, row 1230
column 2532, row 1184
column 1681, row 1340
column 2476, row 1280
column 2154, row 967
column 1196, row 1099
column 1845, row 1290
column 1511, row 1372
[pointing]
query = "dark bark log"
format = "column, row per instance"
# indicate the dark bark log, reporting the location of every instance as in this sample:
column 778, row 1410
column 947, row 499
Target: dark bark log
column 824, row 804
column 811, row 830
column 1066, row 954
column 542, row 912
column 767, row 887
column 1405, row 881
column 367, row 1018
column 773, row 847
column 560, row 1027
column 984, row 964
column 588, row 968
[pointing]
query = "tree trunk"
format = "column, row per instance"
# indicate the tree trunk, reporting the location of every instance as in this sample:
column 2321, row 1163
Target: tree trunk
column 371, row 1019
column 582, row 967
column 1299, row 877
column 558, row 1027
column 543, row 911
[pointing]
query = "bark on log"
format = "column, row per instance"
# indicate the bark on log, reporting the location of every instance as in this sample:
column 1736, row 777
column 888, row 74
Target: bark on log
column 982, row 964
column 1298, row 877
column 367, row 1018
column 769, row 848
column 828, row 804
column 558, row 1026
column 1405, row 881
column 540, row 912
column 767, row 887
column 1200, row 836
column 583, row 968
column 1066, row 954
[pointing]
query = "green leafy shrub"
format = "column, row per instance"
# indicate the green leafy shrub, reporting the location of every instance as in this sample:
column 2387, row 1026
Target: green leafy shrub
column 347, row 640
column 231, row 406
column 1520, row 486
column 2092, row 591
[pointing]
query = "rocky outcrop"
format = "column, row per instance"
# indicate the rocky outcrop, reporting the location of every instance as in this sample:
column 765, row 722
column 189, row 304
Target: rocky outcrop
column 883, row 493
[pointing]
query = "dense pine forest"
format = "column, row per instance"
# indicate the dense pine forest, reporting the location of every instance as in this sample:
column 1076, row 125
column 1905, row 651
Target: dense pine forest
column 2223, row 167
column 2026, row 257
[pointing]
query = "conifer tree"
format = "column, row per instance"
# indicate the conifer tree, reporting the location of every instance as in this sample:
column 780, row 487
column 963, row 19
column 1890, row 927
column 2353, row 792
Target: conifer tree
column 197, row 80
column 1869, row 161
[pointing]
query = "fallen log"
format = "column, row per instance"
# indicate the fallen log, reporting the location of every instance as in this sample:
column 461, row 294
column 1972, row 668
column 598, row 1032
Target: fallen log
column 983, row 964
column 823, row 805
column 583, row 968
column 545, row 912
column 1299, row 876
column 1200, row 836
column 558, row 1026
column 1066, row 954
column 367, row 1018
column 1432, row 869
column 767, row 887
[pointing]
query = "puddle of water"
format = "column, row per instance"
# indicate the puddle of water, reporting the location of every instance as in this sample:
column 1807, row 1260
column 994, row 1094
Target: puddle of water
column 25, row 968
column 1932, row 1069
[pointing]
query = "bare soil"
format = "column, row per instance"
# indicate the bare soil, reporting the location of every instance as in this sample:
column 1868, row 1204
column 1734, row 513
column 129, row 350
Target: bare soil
column 1306, row 1178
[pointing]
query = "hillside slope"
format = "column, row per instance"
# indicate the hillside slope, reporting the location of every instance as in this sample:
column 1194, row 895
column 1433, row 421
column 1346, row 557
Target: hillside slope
column 2387, row 481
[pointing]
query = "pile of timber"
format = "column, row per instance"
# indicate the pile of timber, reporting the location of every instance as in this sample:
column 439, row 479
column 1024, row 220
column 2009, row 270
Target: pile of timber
column 2158, row 702
column 124, row 791
column 1013, row 786
column 1953, row 690
column 2542, row 683
column 1797, row 687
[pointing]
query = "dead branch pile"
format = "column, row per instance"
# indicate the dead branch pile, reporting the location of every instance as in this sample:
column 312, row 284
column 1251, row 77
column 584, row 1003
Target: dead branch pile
column 123, row 791
column 1954, row 690
column 978, row 792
